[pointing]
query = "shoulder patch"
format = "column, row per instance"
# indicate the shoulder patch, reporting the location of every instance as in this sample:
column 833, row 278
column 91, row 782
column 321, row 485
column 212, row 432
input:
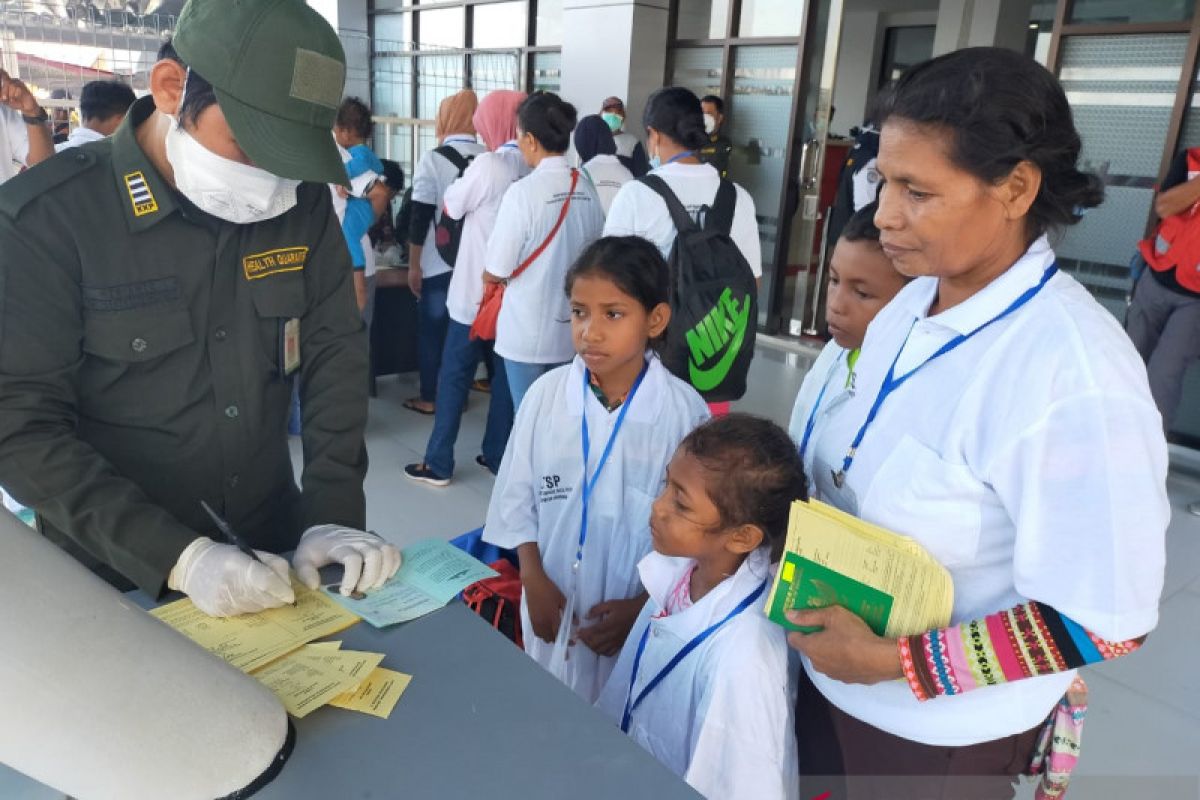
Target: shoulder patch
column 139, row 194
column 22, row 189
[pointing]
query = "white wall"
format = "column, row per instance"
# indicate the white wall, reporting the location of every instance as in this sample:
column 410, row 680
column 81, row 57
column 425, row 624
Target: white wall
column 857, row 68
column 613, row 47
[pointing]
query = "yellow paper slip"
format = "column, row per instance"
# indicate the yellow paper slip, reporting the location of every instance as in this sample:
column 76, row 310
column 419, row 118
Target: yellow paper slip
column 310, row 677
column 251, row 641
column 377, row 695
column 922, row 591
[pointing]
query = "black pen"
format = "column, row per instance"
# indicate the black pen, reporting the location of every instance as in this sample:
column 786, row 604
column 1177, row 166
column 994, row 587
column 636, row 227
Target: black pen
column 229, row 535
column 233, row 538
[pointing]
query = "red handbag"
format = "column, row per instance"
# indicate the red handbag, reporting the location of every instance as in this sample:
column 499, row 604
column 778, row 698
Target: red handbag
column 484, row 326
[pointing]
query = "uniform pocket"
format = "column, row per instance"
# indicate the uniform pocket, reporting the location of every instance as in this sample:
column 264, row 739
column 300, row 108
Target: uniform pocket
column 277, row 298
column 138, row 365
column 136, row 336
column 937, row 502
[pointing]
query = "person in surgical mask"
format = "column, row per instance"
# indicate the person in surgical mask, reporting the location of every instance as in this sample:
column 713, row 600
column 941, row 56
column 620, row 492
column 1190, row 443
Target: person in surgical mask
column 720, row 146
column 630, row 151
column 165, row 290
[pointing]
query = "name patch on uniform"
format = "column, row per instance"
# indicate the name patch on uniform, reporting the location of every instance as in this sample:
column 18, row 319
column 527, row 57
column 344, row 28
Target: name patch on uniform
column 140, row 194
column 272, row 262
column 130, row 295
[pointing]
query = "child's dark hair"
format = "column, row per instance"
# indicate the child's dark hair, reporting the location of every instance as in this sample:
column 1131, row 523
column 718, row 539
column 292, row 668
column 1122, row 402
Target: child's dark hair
column 757, row 473
column 635, row 265
column 1001, row 108
column 354, row 115
column 675, row 112
column 861, row 225
column 549, row 118
column 102, row 100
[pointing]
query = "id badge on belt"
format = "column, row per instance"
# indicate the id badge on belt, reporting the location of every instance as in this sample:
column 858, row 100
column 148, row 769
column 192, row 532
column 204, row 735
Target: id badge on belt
column 289, row 349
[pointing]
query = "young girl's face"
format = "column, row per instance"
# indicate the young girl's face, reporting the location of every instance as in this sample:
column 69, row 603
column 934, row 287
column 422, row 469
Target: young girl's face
column 345, row 137
column 862, row 281
column 684, row 521
column 610, row 328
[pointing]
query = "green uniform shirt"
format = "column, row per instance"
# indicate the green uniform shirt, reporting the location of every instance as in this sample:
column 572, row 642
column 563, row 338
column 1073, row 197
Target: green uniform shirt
column 141, row 364
column 717, row 153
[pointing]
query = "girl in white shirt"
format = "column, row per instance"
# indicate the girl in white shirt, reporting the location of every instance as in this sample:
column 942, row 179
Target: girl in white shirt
column 674, row 123
column 609, row 421
column 1003, row 420
column 703, row 680
column 532, row 333
column 598, row 155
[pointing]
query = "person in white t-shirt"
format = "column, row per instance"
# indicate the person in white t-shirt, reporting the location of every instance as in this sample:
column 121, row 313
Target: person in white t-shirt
column 533, row 332
column 598, row 158
column 674, row 122
column 1003, row 420
column 428, row 274
column 102, row 106
column 475, row 199
column 25, row 137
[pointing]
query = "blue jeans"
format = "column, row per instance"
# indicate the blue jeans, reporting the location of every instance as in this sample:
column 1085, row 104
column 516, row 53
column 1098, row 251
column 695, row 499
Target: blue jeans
column 460, row 358
column 521, row 376
column 432, row 318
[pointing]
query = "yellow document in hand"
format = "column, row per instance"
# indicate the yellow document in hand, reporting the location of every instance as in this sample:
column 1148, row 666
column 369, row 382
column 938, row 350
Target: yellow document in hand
column 377, row 695
column 832, row 558
column 251, row 641
column 312, row 676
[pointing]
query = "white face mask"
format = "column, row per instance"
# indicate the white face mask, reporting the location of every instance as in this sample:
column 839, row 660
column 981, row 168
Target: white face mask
column 230, row 190
column 710, row 124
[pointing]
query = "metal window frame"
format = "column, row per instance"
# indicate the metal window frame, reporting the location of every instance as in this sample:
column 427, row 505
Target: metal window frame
column 1183, row 93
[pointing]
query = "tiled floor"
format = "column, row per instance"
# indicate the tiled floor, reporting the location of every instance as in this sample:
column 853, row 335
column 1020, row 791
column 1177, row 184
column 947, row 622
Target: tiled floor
column 1143, row 733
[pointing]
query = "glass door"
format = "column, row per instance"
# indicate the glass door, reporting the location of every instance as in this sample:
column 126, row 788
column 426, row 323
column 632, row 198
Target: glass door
column 798, row 290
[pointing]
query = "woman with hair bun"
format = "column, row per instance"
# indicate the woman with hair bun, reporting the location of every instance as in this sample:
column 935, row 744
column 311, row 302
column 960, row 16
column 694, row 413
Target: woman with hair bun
column 1003, row 420
column 675, row 133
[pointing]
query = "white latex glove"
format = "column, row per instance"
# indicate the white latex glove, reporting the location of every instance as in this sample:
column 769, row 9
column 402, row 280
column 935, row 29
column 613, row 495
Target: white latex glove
column 224, row 582
column 369, row 561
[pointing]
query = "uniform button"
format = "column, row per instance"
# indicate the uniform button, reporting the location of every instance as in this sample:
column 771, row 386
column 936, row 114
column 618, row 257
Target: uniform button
column 220, row 334
column 231, row 412
column 233, row 481
column 139, row 345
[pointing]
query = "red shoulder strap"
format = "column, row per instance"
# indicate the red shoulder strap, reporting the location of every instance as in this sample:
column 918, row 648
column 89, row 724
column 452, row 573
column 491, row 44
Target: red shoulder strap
column 562, row 215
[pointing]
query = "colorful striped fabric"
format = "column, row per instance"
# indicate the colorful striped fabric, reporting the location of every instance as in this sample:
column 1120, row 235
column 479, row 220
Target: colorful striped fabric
column 1028, row 640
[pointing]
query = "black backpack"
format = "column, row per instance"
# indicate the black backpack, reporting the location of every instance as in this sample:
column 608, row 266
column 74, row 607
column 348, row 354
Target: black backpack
column 714, row 298
column 447, row 231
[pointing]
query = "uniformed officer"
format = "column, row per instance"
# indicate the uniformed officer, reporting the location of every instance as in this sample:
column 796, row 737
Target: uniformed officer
column 719, row 147
column 159, row 293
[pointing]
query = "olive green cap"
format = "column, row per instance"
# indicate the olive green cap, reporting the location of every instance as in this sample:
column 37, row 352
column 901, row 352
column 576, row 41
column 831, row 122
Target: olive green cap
column 278, row 70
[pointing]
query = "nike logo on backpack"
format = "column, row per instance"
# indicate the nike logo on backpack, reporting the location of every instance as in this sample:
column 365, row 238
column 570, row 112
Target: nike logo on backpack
column 722, row 327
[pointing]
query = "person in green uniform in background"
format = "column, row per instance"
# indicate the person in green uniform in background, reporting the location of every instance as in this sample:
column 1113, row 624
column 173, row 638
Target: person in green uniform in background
column 719, row 146
column 159, row 293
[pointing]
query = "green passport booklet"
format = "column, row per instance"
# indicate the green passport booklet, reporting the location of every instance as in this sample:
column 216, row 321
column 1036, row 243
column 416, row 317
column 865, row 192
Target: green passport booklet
column 805, row 584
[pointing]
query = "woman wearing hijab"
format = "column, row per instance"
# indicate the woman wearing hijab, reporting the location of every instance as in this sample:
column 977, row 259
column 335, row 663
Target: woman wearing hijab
column 475, row 199
column 428, row 274
column 598, row 156
column 1003, row 420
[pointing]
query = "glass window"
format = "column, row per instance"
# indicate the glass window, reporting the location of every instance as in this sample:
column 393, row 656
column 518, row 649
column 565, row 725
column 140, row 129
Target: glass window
column 391, row 86
column 393, row 29
column 702, row 19
column 904, row 48
column 442, row 28
column 494, row 71
column 500, row 25
column 547, row 72
column 771, row 18
column 549, row 22
column 1108, row 11
column 697, row 68
column 1121, row 90
column 757, row 117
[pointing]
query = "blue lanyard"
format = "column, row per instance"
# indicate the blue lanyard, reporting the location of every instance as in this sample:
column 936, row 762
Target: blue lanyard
column 678, row 156
column 589, row 486
column 812, row 417
column 464, row 139
column 510, row 146
column 631, row 703
column 891, row 383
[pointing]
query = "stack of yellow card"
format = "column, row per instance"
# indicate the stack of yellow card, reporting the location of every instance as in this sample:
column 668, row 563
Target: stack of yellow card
column 322, row 673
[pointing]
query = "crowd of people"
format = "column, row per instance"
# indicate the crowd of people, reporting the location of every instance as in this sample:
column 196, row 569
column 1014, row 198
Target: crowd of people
column 972, row 395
